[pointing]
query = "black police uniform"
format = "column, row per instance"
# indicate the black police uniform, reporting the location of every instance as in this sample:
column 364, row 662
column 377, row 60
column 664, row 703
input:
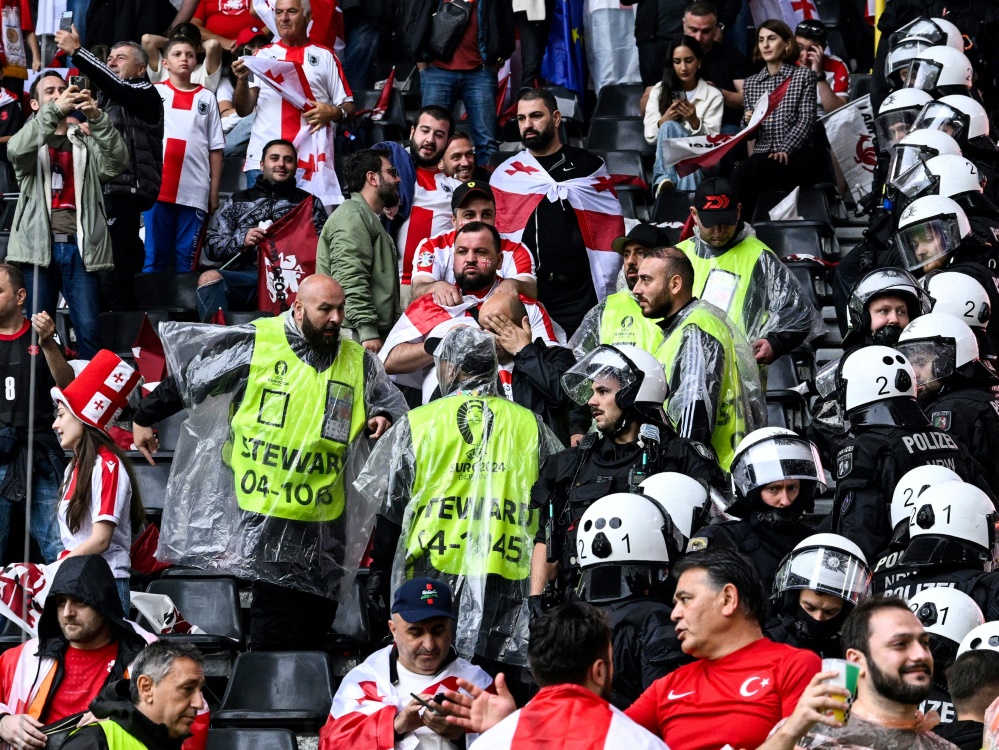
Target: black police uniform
column 645, row 647
column 870, row 465
column 570, row 481
column 965, row 733
column 971, row 416
column 906, row 581
column 801, row 630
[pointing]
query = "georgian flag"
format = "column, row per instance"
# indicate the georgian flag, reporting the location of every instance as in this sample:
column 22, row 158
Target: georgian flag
column 316, row 174
column 96, row 407
column 23, row 590
column 521, row 183
column 703, row 151
column 119, row 377
column 366, row 703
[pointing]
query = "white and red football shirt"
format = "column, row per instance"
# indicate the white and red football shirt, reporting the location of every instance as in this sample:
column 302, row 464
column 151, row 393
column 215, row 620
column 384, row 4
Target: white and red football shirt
column 111, row 500
column 433, row 259
column 192, row 128
column 323, row 82
column 429, row 216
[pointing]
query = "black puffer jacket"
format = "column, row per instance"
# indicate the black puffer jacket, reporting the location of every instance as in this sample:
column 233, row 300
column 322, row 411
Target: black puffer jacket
column 136, row 111
column 496, row 29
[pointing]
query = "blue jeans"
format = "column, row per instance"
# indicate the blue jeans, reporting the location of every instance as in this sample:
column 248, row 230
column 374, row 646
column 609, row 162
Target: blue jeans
column 359, row 51
column 237, row 139
column 124, row 593
column 236, row 291
column 477, row 89
column 80, row 287
column 44, row 508
column 251, row 177
column 172, row 233
column 672, row 129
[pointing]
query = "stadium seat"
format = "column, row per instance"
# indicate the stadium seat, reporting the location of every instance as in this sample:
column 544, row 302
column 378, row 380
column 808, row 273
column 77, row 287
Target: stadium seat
column 292, row 690
column 175, row 292
column 813, row 205
column 239, row 318
column 168, row 431
column 626, row 163
column 787, row 409
column 633, row 206
column 9, row 188
column 619, row 100
column 619, row 134
column 152, row 481
column 782, row 374
column 119, row 329
column 860, row 85
column 798, row 238
column 181, row 571
column 392, row 126
column 672, row 207
column 210, row 603
column 232, row 179
column 251, row 739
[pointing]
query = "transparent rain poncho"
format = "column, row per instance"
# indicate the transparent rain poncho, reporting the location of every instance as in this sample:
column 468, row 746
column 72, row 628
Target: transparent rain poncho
column 317, row 546
column 456, row 476
column 828, row 570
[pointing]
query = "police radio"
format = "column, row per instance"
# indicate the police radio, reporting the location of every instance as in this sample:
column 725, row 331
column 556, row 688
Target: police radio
column 648, row 439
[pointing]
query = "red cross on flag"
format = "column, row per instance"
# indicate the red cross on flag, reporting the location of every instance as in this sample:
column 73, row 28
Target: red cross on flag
column 99, row 393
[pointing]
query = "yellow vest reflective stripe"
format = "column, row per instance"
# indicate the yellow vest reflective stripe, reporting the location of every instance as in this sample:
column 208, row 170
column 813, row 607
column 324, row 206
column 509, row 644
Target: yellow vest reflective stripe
column 740, row 261
column 730, row 421
column 476, row 461
column 622, row 322
column 293, row 427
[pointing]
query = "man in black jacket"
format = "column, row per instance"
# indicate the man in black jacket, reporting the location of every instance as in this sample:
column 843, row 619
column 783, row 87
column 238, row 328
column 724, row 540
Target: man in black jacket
column 136, row 111
column 241, row 223
column 154, row 708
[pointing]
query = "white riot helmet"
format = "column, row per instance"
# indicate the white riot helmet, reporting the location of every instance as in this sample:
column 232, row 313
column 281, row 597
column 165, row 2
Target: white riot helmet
column 938, row 346
column 956, row 115
column 918, row 145
column 773, row 454
column 947, row 175
column 940, row 69
column 626, row 542
column 882, row 282
column 946, row 612
column 640, row 379
column 827, row 563
column 901, row 54
column 954, row 523
column 983, row 637
column 937, row 31
column 960, row 295
column 896, row 115
column 929, row 230
column 684, row 498
column 911, row 487
column 877, row 386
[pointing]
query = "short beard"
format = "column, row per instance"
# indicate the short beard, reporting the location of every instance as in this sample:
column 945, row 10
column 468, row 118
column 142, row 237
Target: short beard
column 316, row 338
column 477, row 284
column 541, row 141
column 894, row 688
column 414, row 151
column 389, row 196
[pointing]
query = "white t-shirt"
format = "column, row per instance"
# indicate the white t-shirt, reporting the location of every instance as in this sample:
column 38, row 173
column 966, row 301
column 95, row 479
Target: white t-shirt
column 191, row 128
column 198, row 76
column 111, row 499
column 275, row 118
column 411, row 682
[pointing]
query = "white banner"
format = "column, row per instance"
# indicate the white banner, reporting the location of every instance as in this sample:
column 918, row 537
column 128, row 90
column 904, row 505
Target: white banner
column 850, row 131
column 23, row 589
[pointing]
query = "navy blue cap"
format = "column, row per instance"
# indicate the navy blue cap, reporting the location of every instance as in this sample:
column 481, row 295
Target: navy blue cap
column 422, row 598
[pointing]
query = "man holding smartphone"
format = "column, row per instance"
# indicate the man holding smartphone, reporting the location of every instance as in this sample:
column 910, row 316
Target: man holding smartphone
column 395, row 695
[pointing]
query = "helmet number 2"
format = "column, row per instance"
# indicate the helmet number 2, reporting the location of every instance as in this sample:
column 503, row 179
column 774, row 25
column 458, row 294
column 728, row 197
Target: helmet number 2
column 883, row 382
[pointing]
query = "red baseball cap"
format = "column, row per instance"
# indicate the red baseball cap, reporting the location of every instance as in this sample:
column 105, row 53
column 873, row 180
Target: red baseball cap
column 250, row 33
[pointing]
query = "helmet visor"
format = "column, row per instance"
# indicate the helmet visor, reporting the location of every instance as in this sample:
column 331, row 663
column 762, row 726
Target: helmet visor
column 891, row 127
column 902, row 54
column 915, row 181
column 922, row 245
column 942, row 117
column 775, row 459
column 905, row 156
column 827, row 570
column 932, row 359
column 923, row 74
column 924, row 28
column 611, row 583
column 604, row 366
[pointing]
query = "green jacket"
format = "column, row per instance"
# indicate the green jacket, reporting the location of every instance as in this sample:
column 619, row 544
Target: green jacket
column 356, row 250
column 97, row 158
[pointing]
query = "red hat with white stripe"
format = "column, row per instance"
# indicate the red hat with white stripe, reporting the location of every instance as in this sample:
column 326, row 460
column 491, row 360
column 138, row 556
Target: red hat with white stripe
column 97, row 395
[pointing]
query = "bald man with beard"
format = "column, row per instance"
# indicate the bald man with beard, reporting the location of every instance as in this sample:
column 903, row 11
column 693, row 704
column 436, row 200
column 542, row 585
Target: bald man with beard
column 296, row 390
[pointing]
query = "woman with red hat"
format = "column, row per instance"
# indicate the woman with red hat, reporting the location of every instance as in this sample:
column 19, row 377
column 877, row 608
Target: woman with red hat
column 100, row 499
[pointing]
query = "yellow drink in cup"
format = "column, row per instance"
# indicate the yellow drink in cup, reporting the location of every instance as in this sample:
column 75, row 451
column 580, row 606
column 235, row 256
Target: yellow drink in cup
column 847, row 674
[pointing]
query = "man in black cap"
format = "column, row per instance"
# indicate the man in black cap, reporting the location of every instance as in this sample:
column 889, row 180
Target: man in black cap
column 433, row 262
column 375, row 705
column 737, row 273
column 84, row 643
column 618, row 319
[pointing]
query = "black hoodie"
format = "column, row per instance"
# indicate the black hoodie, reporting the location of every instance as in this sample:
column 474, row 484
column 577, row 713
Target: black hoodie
column 115, row 703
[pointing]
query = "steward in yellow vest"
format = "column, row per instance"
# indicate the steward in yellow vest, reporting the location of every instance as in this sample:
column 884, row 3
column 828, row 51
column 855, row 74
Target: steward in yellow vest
column 280, row 411
column 741, row 276
column 454, row 480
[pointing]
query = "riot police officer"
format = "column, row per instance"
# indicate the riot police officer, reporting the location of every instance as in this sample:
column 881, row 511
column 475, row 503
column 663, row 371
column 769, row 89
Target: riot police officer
column 775, row 474
column 626, row 544
column 625, row 388
column 889, row 435
column 954, row 387
column 817, row 586
column 964, row 297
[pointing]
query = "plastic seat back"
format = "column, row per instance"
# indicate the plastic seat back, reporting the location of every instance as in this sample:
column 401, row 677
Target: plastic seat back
column 251, row 739
column 210, row 603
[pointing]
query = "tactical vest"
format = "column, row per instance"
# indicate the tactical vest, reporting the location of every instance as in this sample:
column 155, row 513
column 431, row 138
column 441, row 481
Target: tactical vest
column 730, row 421
column 726, row 277
column 293, row 428
column 622, row 322
column 470, row 515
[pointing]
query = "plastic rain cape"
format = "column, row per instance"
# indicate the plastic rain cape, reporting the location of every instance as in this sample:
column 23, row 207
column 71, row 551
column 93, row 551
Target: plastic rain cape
column 203, row 524
column 456, row 475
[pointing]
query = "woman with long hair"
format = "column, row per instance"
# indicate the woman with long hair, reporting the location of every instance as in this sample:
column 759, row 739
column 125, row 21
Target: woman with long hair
column 682, row 104
column 100, row 502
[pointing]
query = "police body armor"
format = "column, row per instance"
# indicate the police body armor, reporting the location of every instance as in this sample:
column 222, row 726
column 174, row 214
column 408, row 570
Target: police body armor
column 971, row 416
column 794, row 630
column 904, row 582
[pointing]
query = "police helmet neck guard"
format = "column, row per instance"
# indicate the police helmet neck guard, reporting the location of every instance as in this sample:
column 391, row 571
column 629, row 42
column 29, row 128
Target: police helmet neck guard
column 897, row 412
